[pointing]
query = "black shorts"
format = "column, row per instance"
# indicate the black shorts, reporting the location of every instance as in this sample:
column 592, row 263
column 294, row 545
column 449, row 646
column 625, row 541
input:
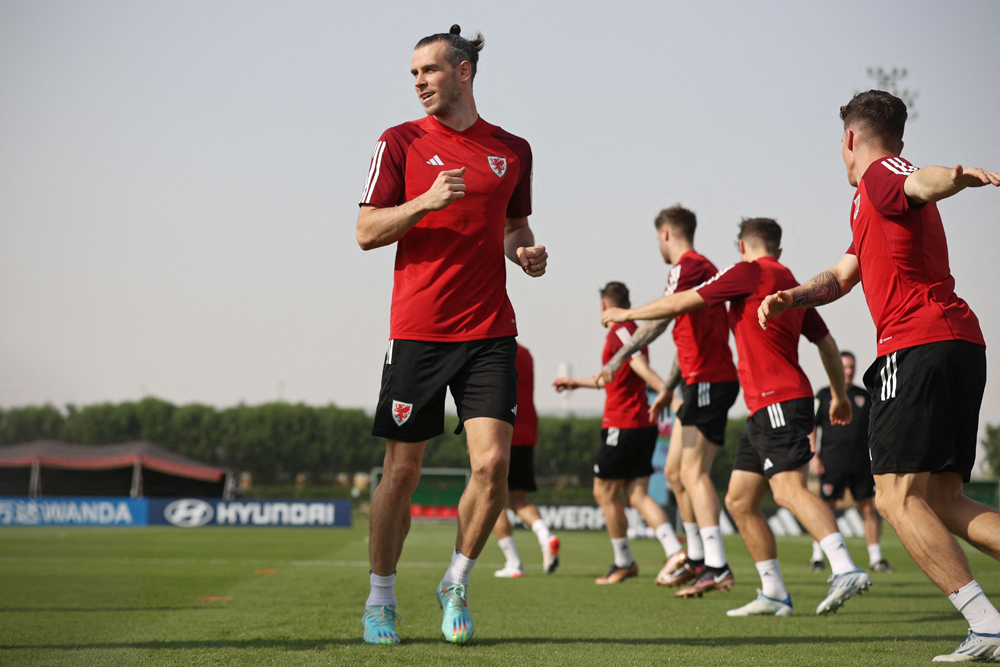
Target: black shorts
column 776, row 438
column 626, row 453
column 925, row 408
column 480, row 374
column 840, row 475
column 706, row 406
column 521, row 475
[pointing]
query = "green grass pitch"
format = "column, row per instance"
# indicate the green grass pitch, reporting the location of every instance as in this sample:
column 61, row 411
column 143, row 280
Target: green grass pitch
column 91, row 596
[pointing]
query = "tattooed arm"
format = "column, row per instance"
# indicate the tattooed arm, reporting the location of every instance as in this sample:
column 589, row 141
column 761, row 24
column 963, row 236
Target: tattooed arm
column 822, row 289
column 643, row 336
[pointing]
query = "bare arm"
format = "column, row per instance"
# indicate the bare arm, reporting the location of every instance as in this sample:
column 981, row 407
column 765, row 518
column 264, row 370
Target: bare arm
column 669, row 307
column 642, row 368
column 379, row 227
column 569, row 384
column 840, row 407
column 519, row 246
column 817, row 291
column 937, row 183
column 645, row 334
column 674, row 377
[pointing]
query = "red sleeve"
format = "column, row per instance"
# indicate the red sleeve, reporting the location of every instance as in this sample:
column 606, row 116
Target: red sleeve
column 689, row 275
column 851, row 250
column 813, row 326
column 386, row 185
column 884, row 186
column 520, row 200
column 614, row 340
column 735, row 282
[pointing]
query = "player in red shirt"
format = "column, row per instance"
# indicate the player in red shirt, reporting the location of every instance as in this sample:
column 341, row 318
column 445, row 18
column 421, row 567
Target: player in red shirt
column 628, row 439
column 928, row 380
column 774, row 450
column 454, row 193
column 705, row 366
column 521, row 478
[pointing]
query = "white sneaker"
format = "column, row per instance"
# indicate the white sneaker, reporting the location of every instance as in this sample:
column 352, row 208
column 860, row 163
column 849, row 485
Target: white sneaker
column 842, row 588
column 764, row 606
column 509, row 572
column 550, row 555
column 975, row 648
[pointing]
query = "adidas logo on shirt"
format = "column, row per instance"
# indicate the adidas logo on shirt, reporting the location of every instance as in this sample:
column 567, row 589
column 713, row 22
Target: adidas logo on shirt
column 767, row 464
column 436, row 161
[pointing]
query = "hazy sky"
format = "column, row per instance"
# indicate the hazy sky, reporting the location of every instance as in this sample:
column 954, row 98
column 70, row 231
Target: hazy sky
column 179, row 180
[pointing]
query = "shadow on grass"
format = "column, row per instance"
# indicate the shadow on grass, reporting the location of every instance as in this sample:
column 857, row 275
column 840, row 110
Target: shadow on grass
column 319, row 644
column 4, row 610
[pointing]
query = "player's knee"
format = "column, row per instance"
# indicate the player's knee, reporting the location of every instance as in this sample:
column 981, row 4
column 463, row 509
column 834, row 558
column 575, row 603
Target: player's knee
column 784, row 496
column 491, row 468
column 737, row 504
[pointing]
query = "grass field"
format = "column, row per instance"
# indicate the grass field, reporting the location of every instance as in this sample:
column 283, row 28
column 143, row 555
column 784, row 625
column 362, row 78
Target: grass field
column 91, row 596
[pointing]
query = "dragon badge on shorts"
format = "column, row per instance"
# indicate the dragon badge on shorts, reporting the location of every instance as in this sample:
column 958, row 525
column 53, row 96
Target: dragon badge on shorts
column 401, row 412
column 859, row 401
column 497, row 164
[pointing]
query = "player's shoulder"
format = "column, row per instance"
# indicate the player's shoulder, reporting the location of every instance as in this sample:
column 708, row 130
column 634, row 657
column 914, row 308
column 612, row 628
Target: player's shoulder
column 405, row 133
column 515, row 142
column 889, row 167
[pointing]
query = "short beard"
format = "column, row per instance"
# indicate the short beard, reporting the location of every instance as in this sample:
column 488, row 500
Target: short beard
column 449, row 99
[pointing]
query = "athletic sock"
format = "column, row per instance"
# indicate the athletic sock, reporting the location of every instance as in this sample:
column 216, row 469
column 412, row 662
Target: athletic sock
column 665, row 534
column 771, row 583
column 509, row 550
column 817, row 556
column 874, row 554
column 982, row 616
column 715, row 553
column 836, row 552
column 459, row 570
column 383, row 593
column 623, row 552
column 541, row 531
column 695, row 549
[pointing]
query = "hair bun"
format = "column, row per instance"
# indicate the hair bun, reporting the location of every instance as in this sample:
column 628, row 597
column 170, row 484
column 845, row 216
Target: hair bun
column 455, row 30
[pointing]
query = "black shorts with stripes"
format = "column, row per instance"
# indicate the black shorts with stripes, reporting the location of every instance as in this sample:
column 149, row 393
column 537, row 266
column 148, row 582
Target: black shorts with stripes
column 706, row 406
column 776, row 438
column 925, row 408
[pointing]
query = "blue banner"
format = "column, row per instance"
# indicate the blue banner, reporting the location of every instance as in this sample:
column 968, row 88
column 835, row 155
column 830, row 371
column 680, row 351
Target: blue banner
column 196, row 512
column 73, row 511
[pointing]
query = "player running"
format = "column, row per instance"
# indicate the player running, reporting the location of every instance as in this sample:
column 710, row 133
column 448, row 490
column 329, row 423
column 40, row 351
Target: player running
column 454, row 193
column 928, row 380
column 774, row 450
column 628, row 439
column 842, row 462
column 521, row 478
column 705, row 363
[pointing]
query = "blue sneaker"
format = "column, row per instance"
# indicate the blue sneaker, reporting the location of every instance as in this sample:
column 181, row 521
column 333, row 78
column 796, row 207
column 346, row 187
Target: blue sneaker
column 379, row 625
column 456, row 625
column 842, row 588
column 975, row 648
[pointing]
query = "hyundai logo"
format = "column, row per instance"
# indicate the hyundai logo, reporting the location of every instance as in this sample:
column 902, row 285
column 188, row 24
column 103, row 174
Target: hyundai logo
column 188, row 513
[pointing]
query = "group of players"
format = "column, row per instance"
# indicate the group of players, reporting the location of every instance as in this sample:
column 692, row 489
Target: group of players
column 453, row 192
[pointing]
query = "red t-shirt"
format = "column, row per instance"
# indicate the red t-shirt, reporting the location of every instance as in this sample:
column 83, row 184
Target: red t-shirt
column 903, row 256
column 701, row 336
column 450, row 279
column 625, row 403
column 769, row 359
column 526, row 421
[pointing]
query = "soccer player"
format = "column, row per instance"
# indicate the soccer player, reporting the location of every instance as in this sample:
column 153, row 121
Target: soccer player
column 454, row 194
column 843, row 462
column 774, row 450
column 521, row 478
column 628, row 439
column 711, row 386
column 928, row 380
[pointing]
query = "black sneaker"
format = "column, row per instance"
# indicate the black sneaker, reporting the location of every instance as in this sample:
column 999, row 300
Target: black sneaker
column 881, row 566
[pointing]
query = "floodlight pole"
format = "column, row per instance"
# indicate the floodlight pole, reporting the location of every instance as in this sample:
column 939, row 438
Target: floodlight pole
column 35, row 485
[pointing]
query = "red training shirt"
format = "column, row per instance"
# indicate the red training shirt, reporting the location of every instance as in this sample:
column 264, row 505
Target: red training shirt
column 450, row 281
column 701, row 336
column 769, row 359
column 625, row 403
column 526, row 420
column 903, row 257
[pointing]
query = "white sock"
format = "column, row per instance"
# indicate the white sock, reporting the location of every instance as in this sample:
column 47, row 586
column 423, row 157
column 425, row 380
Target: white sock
column 771, row 583
column 383, row 592
column 836, row 552
column 696, row 549
column 459, row 570
column 623, row 552
column 715, row 553
column 874, row 553
column 817, row 556
column 509, row 550
column 541, row 531
column 982, row 616
column 665, row 534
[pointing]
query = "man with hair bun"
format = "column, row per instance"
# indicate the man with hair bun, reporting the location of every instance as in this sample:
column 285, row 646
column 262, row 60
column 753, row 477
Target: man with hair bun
column 453, row 192
column 928, row 381
column 774, row 451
